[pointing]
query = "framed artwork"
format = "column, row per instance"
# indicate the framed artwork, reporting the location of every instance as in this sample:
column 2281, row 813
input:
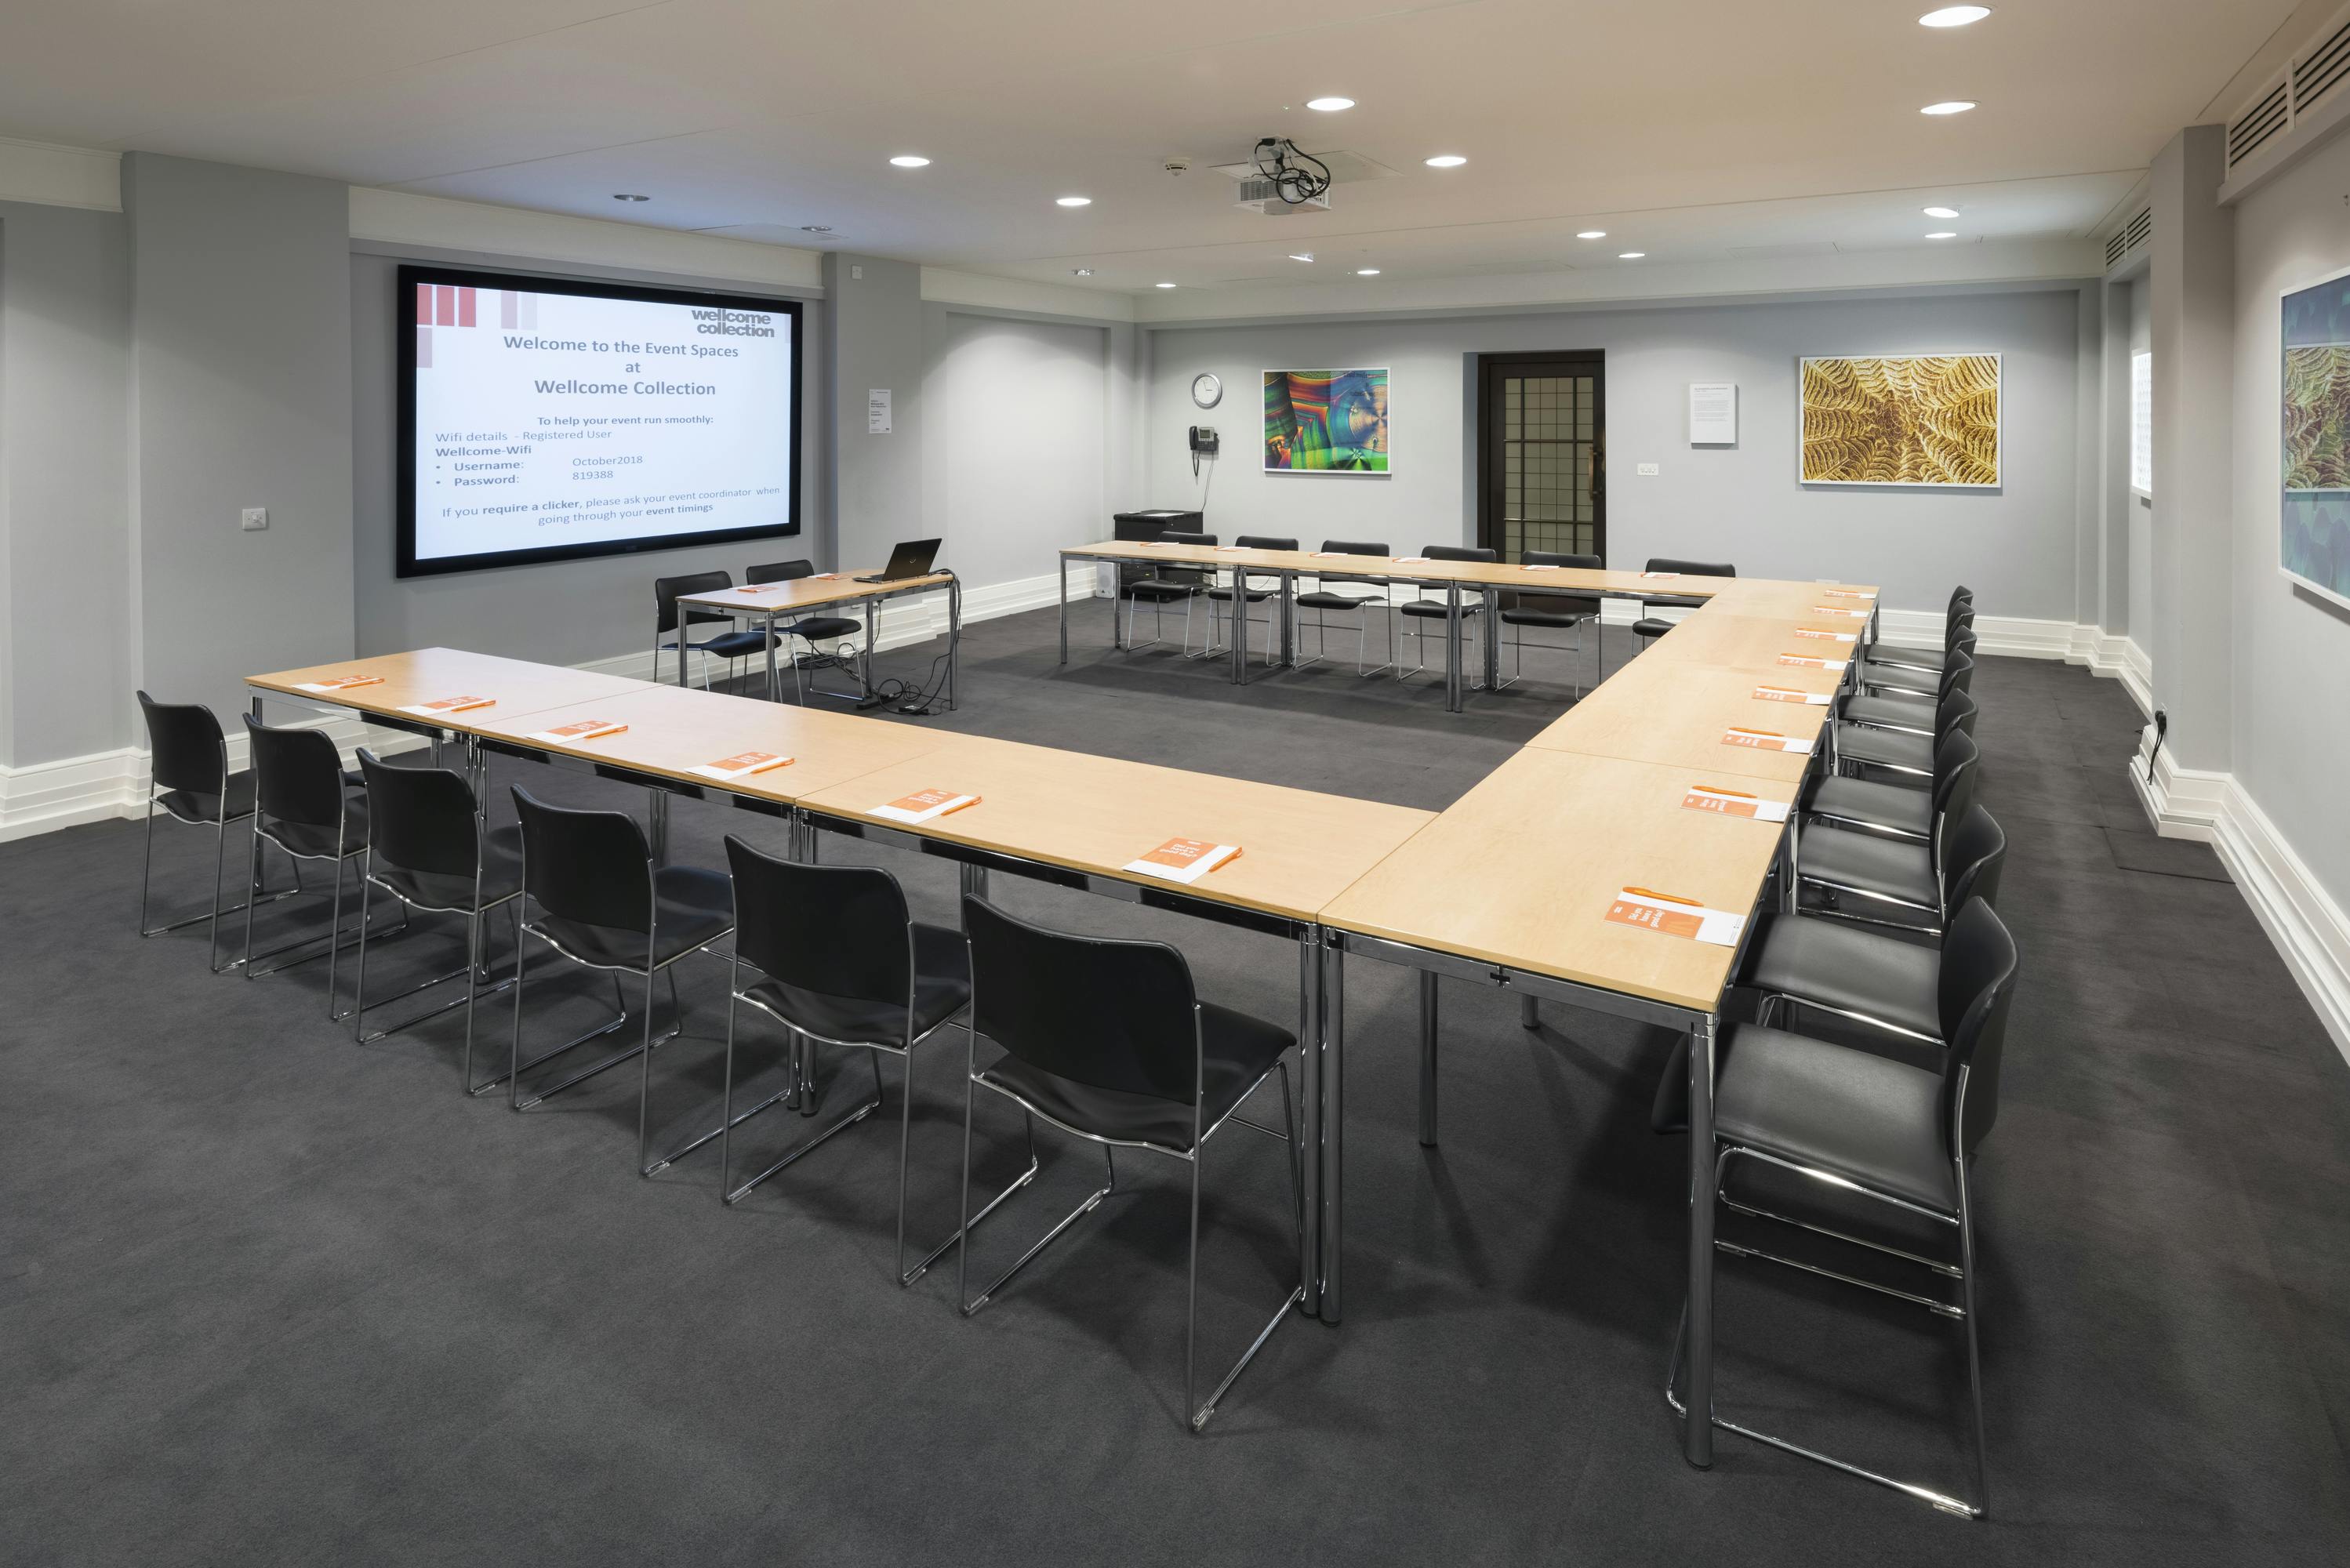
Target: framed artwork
column 1326, row 421
column 2313, row 524
column 1924, row 419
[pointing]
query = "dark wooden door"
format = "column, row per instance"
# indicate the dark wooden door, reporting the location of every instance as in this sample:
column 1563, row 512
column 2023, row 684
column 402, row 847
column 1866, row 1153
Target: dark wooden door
column 1541, row 454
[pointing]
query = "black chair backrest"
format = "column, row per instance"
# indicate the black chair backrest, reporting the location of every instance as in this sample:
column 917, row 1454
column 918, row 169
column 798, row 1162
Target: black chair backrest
column 297, row 774
column 421, row 819
column 184, row 748
column 1961, row 596
column 666, row 589
column 1113, row 1014
column 1691, row 569
column 841, row 930
column 1959, row 667
column 1353, row 547
column 1957, row 711
column 1955, row 759
column 1973, row 855
column 780, row 571
column 1959, row 623
column 592, row 867
column 1179, row 572
column 1562, row 603
column 1177, row 537
column 1263, row 542
column 1553, row 558
column 1976, row 984
column 1460, row 553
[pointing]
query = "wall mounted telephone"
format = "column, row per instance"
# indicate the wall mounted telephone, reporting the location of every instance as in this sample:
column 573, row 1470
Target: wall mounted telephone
column 1203, row 441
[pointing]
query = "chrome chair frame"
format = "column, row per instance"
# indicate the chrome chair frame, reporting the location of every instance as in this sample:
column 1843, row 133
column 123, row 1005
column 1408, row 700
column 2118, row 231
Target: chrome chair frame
column 345, row 852
column 1363, row 605
column 220, row 863
column 1197, row 1415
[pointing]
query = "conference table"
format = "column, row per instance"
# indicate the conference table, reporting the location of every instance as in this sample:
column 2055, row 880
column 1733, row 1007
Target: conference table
column 767, row 603
column 1534, row 881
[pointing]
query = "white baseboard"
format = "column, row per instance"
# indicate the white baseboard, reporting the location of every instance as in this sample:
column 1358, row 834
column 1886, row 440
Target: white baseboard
column 2308, row 927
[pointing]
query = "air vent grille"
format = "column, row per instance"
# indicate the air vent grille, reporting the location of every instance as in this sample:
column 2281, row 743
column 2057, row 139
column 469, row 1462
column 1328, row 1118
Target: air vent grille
column 2262, row 120
column 2273, row 118
column 2129, row 236
column 2321, row 69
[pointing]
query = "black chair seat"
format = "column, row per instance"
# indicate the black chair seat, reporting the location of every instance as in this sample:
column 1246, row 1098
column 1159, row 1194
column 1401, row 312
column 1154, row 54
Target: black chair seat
column 1870, row 862
column 1650, row 626
column 1890, row 806
column 197, row 805
column 1895, row 712
column 1322, row 598
column 1523, row 616
column 501, row 877
column 941, row 989
column 1253, row 596
column 1158, row 590
column 1237, row 1051
column 1863, row 1118
column 821, row 628
column 1890, row 679
column 1891, row 657
column 737, row 644
column 1844, row 967
column 317, row 842
column 1885, row 748
column 693, row 905
column 1435, row 609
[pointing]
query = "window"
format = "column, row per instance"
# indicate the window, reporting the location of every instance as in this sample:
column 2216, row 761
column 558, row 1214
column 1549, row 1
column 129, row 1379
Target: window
column 2142, row 423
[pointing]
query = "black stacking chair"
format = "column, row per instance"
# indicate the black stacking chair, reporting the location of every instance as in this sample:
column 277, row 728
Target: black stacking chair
column 1471, row 604
column 1909, row 668
column 1957, row 617
column 303, row 807
column 1539, row 607
column 1333, row 595
column 1648, row 628
column 1917, row 692
column 1165, row 585
column 831, row 953
column 603, row 904
column 1905, row 746
column 667, row 590
column 1816, row 1136
column 1108, row 1040
column 188, row 776
column 811, row 629
column 1234, row 599
column 1900, row 810
column 1915, row 886
column 429, row 846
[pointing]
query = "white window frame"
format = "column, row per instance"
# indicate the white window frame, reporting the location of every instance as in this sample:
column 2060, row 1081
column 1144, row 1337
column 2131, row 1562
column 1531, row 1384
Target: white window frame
column 2141, row 424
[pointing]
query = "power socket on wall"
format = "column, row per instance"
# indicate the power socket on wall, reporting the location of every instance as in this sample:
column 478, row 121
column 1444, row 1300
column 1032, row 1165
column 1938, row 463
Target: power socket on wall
column 1647, row 471
column 255, row 519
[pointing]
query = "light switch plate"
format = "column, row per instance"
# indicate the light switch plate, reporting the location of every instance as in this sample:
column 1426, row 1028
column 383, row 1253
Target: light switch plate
column 255, row 519
column 1647, row 471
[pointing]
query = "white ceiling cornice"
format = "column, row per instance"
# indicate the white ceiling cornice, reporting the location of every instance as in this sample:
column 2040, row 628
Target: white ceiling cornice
column 404, row 218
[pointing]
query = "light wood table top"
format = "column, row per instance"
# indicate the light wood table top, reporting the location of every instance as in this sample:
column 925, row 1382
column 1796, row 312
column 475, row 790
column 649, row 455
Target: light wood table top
column 429, row 674
column 806, row 593
column 674, row 729
column 1310, row 563
column 1298, row 848
column 1521, row 870
column 1676, row 714
column 1796, row 601
column 1728, row 640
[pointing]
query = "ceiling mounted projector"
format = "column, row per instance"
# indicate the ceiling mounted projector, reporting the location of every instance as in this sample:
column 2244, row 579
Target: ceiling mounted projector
column 1281, row 179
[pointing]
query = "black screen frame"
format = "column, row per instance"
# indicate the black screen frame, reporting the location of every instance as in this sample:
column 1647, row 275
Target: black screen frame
column 405, row 563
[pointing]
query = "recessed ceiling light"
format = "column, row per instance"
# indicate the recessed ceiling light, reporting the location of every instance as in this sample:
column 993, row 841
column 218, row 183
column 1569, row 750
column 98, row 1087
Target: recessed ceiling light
column 1330, row 104
column 1073, row 200
column 1954, row 16
column 1301, row 255
column 1447, row 161
column 1592, row 235
column 625, row 196
column 1367, row 271
column 1944, row 234
column 1955, row 106
column 1081, row 272
column 1629, row 256
column 1162, row 285
column 911, row 160
column 1942, row 212
column 815, row 228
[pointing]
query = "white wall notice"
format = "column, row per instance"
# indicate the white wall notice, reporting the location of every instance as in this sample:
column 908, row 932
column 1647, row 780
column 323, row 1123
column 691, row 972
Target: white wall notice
column 1713, row 413
column 876, row 411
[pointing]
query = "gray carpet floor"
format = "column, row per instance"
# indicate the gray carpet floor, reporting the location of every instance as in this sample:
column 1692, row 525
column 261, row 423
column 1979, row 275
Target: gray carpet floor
column 266, row 1296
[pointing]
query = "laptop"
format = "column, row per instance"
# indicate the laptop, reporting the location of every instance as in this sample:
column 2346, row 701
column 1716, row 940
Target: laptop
column 910, row 558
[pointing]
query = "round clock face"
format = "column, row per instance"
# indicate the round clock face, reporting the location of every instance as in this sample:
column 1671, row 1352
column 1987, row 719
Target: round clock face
column 1206, row 390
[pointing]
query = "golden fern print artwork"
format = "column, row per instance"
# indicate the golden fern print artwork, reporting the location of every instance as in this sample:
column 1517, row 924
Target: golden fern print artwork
column 2317, row 417
column 1923, row 419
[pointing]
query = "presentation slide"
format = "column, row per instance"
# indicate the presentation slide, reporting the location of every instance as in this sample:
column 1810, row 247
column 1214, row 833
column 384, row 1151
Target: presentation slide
column 545, row 421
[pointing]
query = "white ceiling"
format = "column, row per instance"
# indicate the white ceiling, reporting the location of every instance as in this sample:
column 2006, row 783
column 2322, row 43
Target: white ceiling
column 1696, row 130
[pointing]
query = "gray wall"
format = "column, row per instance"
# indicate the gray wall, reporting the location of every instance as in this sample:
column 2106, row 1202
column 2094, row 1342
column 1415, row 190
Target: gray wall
column 65, row 670
column 2290, row 745
column 567, row 612
column 875, row 341
column 2015, row 545
column 241, row 395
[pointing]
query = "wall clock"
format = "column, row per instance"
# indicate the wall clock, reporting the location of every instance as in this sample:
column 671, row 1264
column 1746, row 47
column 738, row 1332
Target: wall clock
column 1206, row 390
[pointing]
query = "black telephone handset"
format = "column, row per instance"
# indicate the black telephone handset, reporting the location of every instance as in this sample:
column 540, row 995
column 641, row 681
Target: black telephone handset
column 1204, row 442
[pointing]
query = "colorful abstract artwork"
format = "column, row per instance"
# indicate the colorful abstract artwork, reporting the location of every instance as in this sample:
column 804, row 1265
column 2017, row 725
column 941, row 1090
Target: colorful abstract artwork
column 2315, row 528
column 1326, row 421
column 1929, row 419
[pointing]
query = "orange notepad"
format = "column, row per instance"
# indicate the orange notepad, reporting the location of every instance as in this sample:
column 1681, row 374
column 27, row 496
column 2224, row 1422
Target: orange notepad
column 441, row 706
column 1838, row 610
column 1824, row 634
column 1733, row 803
column 1811, row 662
column 577, row 729
column 1411, row 560
column 340, row 683
column 924, row 804
column 1661, row 574
column 1789, row 694
column 1848, row 593
column 740, row 765
column 1676, row 917
column 1765, row 740
column 1184, row 860
column 1540, row 566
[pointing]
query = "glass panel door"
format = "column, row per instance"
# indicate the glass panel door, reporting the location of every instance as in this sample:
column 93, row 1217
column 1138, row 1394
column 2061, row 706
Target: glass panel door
column 1541, row 454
